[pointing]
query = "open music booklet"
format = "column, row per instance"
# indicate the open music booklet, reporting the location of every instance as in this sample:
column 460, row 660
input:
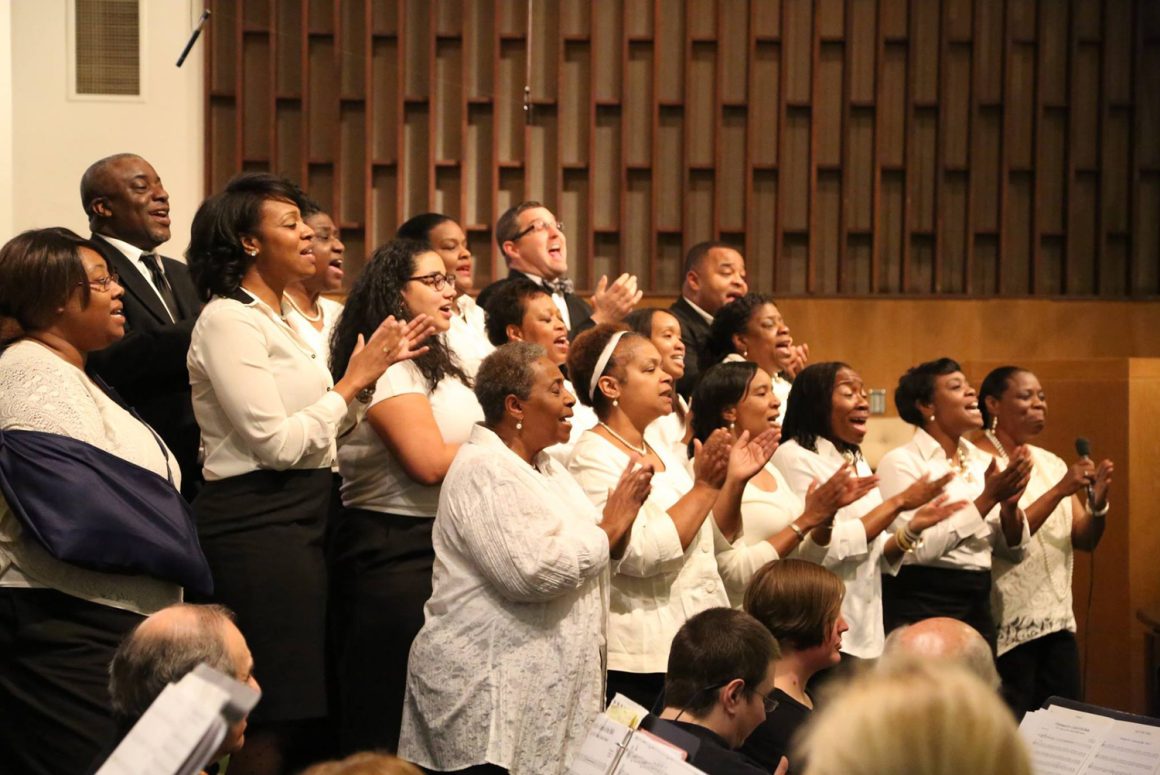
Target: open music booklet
column 622, row 742
column 1072, row 738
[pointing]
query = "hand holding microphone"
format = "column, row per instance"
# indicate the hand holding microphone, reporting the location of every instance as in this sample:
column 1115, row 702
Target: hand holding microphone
column 1098, row 478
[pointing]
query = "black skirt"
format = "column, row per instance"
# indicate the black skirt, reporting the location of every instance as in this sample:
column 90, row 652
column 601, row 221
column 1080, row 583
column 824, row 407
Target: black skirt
column 263, row 534
column 921, row 591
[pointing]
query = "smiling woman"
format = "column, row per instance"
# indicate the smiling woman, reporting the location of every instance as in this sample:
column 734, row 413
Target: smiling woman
column 392, row 466
column 61, row 617
column 269, row 412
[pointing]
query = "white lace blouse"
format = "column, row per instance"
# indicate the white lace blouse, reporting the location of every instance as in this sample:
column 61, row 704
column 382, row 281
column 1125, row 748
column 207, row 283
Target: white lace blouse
column 509, row 666
column 1032, row 598
column 39, row 391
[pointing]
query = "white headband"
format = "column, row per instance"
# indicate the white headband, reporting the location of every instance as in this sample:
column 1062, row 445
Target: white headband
column 602, row 362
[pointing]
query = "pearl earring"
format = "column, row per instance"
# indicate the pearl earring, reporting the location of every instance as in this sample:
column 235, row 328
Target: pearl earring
column 616, row 402
column 519, row 425
column 932, row 418
column 252, row 253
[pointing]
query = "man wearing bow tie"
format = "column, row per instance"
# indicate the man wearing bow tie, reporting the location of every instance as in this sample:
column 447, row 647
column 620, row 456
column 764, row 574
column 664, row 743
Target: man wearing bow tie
column 533, row 244
column 128, row 211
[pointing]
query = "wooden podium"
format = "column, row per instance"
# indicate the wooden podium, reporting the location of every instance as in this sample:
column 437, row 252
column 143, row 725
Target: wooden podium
column 1115, row 404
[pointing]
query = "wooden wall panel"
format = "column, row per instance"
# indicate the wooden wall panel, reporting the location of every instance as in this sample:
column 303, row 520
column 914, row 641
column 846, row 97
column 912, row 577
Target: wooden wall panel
column 852, row 147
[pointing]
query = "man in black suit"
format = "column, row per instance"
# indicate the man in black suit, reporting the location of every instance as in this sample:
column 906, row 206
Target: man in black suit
column 532, row 242
column 128, row 212
column 714, row 276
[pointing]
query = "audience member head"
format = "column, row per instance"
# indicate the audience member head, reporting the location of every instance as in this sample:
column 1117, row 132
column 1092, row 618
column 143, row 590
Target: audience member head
column 123, row 198
column 936, row 393
column 720, row 673
column 616, row 370
column 918, row 718
column 254, row 229
column 522, row 394
column 828, row 401
column 365, row 763
column 166, row 646
column 714, row 275
column 753, row 328
column 447, row 238
column 947, row 639
column 737, row 395
column 328, row 248
column 403, row 278
column 663, row 329
column 520, row 310
column 532, row 241
column 1012, row 399
column 56, row 287
column 800, row 603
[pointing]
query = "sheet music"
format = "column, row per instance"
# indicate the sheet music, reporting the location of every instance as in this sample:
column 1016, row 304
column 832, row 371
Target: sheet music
column 183, row 727
column 645, row 755
column 1064, row 741
column 601, row 747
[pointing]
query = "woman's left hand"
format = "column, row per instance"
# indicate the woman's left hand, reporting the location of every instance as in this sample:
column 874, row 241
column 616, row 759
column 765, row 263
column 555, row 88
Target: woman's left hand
column 748, row 456
column 1103, row 481
column 711, row 462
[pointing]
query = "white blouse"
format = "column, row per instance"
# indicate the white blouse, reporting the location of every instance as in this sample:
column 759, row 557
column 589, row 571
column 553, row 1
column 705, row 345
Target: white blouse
column 858, row 562
column 965, row 540
column 1033, row 598
column 318, row 339
column 372, row 478
column 40, row 391
column 261, row 393
column 467, row 336
column 509, row 665
column 656, row 585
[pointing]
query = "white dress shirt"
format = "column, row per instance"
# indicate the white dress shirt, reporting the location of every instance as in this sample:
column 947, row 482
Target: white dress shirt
column 858, row 562
column 261, row 394
column 1033, row 598
column 134, row 253
column 40, row 391
column 372, row 478
column 656, row 585
column 965, row 540
column 509, row 667
column 467, row 336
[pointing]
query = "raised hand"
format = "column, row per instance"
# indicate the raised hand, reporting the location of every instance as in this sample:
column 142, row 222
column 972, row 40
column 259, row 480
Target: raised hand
column 922, row 491
column 934, row 512
column 1079, row 475
column 1103, row 481
column 624, row 502
column 748, row 456
column 613, row 302
column 711, row 459
column 822, row 500
column 1000, row 486
column 798, row 360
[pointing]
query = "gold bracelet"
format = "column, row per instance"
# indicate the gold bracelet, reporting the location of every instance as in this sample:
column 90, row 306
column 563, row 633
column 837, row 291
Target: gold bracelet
column 801, row 534
column 903, row 540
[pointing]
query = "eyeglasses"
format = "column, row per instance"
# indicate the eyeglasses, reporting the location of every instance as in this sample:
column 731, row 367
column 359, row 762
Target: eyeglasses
column 769, row 702
column 102, row 283
column 436, row 280
column 539, row 225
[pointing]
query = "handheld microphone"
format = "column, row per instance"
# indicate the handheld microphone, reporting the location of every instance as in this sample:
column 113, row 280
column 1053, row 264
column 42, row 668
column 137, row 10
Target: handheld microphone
column 1083, row 448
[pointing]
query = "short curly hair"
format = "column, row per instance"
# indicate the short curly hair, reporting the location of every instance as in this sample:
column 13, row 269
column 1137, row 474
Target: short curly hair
column 217, row 260
column 39, row 270
column 917, row 386
column 506, row 371
column 583, row 355
column 507, row 305
column 731, row 319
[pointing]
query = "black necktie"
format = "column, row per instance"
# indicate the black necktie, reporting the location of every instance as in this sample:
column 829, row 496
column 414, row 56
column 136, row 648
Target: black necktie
column 161, row 284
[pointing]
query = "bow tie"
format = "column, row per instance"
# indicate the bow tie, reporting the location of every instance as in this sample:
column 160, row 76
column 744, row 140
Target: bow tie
column 562, row 286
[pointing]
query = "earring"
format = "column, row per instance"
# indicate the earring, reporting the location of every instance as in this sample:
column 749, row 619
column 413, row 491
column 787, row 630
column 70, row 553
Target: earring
column 252, row 253
column 994, row 424
column 519, row 425
column 616, row 402
column 932, row 418
column 732, row 427
column 745, row 353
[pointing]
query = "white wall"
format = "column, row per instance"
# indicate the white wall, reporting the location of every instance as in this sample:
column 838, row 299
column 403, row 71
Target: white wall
column 54, row 138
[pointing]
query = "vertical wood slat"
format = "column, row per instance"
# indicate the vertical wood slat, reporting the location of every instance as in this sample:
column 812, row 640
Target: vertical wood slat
column 1008, row 156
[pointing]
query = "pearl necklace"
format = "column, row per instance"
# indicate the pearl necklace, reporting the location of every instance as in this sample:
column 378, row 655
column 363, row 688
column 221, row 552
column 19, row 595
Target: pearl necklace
column 641, row 450
column 994, row 439
column 317, row 318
